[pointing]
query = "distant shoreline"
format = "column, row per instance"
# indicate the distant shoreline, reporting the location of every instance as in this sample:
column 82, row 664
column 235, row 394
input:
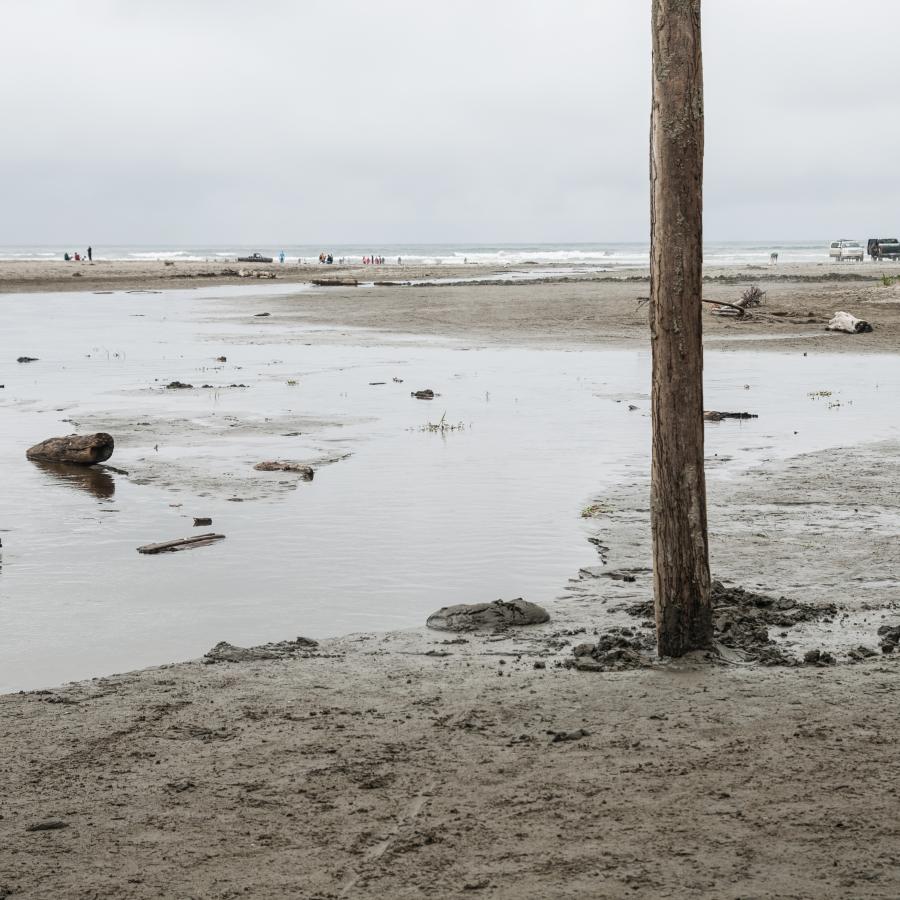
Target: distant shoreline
column 56, row 275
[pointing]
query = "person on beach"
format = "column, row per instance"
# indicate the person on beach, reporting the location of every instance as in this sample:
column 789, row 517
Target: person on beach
column 90, row 254
column 281, row 257
column 77, row 256
column 66, row 256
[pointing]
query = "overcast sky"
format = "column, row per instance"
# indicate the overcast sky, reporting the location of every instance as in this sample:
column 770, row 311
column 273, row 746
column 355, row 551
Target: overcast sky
column 211, row 121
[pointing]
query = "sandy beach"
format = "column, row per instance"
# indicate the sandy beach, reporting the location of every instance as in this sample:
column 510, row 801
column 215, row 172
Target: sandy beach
column 419, row 763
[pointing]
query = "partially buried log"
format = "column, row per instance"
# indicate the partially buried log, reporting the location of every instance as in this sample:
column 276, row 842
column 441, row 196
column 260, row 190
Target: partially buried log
column 201, row 540
column 79, row 449
column 285, row 465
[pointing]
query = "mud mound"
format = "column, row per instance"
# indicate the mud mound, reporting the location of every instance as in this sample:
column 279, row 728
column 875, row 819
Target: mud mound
column 225, row 652
column 742, row 620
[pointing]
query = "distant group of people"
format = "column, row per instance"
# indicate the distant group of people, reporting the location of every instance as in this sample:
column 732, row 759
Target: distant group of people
column 375, row 260
column 326, row 258
column 77, row 257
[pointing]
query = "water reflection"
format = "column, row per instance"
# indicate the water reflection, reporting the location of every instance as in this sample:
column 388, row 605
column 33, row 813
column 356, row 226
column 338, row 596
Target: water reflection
column 88, row 478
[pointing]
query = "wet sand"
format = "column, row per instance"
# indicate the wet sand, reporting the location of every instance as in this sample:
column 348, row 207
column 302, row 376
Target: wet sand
column 413, row 763
column 409, row 764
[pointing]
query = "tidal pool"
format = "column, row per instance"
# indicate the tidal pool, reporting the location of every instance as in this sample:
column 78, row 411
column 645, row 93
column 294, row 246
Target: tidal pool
column 411, row 520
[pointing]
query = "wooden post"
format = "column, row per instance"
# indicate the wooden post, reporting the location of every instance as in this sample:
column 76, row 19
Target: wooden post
column 678, row 491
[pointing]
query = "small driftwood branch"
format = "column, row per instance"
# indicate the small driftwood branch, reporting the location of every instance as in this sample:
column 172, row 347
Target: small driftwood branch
column 738, row 309
column 200, row 540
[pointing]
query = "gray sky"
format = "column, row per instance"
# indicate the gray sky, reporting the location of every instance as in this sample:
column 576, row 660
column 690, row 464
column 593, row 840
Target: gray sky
column 210, row 121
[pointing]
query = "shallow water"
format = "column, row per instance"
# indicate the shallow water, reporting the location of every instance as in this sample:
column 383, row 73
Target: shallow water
column 411, row 521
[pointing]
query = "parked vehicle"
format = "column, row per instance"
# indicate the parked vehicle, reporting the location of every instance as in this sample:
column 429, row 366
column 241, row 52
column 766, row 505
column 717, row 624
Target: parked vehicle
column 883, row 248
column 255, row 257
column 840, row 251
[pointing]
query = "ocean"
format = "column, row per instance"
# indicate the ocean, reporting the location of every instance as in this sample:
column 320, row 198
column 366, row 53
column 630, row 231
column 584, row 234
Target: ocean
column 591, row 257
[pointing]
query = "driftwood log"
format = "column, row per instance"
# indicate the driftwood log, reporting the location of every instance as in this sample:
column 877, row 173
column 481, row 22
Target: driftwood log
column 78, row 449
column 335, row 282
column 201, row 540
column 715, row 415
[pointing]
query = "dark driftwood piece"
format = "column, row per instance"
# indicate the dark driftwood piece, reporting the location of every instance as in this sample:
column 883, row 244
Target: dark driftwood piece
column 286, row 465
column 200, row 540
column 80, row 449
column 335, row 282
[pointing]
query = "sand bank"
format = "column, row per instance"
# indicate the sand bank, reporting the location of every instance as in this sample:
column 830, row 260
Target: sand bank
column 557, row 308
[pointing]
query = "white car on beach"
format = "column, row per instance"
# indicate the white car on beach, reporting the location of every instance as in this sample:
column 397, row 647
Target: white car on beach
column 840, row 251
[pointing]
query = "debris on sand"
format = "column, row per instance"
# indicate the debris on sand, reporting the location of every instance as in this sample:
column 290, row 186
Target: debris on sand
column 499, row 614
column 78, row 449
column 843, row 321
column 49, row 825
column 713, row 415
column 225, row 652
column 285, row 465
column 335, row 282
column 27, row 359
column 261, row 315
column 178, row 386
column 753, row 296
column 427, row 394
column 890, row 637
column 202, row 520
column 561, row 736
column 189, row 543
column 742, row 620
column 818, row 658
column 221, row 359
column 616, row 650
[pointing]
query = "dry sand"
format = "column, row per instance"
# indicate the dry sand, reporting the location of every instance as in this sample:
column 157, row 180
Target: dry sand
column 411, row 765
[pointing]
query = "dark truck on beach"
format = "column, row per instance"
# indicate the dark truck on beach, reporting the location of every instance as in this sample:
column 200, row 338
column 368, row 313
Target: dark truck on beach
column 883, row 248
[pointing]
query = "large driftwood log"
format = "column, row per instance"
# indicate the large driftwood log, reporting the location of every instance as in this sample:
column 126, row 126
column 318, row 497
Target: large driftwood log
column 79, row 449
